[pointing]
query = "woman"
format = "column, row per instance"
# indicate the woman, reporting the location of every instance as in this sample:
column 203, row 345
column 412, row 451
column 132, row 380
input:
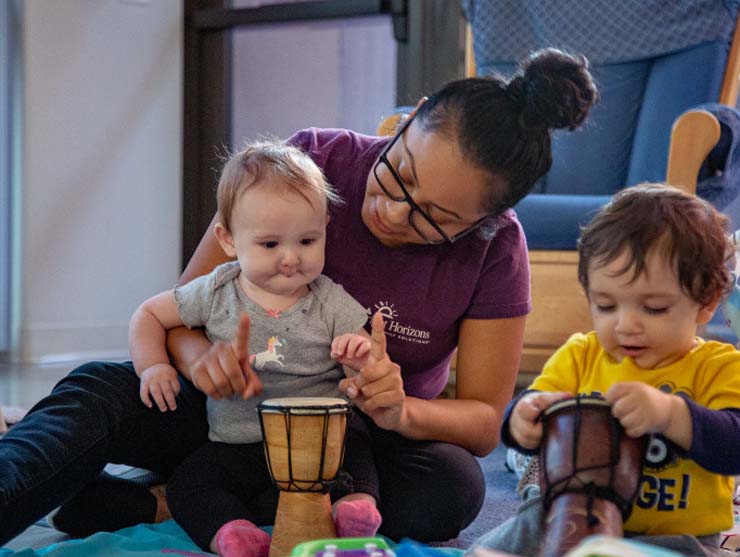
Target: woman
column 427, row 238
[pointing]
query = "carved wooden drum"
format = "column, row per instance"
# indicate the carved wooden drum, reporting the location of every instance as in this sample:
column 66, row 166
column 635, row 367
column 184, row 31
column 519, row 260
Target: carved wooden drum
column 304, row 447
column 589, row 472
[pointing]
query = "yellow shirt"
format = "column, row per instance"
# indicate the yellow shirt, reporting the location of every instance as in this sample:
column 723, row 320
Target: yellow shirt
column 676, row 495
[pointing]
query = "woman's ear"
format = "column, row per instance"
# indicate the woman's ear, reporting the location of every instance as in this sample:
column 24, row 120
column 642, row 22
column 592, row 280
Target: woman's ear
column 225, row 239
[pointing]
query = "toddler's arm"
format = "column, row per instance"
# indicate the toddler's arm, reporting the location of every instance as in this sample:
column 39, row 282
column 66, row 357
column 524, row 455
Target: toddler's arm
column 641, row 408
column 352, row 350
column 147, row 343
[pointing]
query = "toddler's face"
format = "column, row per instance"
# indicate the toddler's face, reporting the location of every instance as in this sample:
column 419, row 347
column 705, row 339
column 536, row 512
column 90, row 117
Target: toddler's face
column 279, row 238
column 651, row 319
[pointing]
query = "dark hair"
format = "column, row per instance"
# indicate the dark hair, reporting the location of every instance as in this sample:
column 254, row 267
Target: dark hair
column 684, row 228
column 504, row 126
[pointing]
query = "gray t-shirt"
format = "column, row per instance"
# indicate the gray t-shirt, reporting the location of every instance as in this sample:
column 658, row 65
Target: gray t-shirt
column 290, row 350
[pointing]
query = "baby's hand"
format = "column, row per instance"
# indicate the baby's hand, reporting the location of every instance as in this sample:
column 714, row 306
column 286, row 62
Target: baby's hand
column 640, row 408
column 161, row 383
column 351, row 350
column 525, row 424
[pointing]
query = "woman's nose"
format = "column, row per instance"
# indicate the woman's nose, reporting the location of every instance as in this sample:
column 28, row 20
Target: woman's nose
column 397, row 212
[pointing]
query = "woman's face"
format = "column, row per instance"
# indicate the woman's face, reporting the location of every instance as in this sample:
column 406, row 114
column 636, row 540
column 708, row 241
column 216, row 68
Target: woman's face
column 448, row 188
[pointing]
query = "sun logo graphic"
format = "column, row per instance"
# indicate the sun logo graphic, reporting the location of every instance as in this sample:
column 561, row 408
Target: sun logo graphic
column 396, row 330
column 386, row 309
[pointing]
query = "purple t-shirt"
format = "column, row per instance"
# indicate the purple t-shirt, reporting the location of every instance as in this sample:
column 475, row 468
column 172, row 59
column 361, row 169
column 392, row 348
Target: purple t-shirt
column 423, row 291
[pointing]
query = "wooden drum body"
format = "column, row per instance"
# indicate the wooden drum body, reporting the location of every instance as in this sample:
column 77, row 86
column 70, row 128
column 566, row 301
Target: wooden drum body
column 304, row 447
column 589, row 471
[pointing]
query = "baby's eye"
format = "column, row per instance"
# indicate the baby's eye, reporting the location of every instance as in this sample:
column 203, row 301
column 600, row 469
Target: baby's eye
column 604, row 308
column 307, row 241
column 269, row 245
column 655, row 311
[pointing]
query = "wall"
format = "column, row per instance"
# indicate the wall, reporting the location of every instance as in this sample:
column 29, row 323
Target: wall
column 347, row 80
column 101, row 171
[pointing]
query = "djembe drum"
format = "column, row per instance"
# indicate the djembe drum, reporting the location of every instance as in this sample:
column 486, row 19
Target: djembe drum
column 589, row 471
column 304, row 447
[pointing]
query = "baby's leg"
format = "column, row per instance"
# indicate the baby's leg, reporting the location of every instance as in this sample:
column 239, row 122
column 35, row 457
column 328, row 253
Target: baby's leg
column 214, row 495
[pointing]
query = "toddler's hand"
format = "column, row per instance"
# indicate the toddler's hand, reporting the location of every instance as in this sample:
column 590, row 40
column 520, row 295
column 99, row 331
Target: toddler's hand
column 160, row 381
column 351, row 350
column 640, row 408
column 525, row 424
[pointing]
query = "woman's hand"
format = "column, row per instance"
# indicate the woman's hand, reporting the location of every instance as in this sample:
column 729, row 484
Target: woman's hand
column 378, row 389
column 525, row 424
column 225, row 370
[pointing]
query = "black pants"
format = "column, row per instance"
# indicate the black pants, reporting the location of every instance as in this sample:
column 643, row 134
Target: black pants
column 427, row 491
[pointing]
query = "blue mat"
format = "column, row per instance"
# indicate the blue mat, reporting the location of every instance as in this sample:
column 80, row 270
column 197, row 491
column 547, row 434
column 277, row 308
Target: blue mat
column 144, row 540
column 167, row 538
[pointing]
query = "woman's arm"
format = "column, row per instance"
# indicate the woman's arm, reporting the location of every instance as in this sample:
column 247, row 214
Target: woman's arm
column 489, row 351
column 488, row 357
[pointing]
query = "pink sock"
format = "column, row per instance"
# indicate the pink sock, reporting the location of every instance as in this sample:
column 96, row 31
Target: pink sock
column 241, row 538
column 356, row 519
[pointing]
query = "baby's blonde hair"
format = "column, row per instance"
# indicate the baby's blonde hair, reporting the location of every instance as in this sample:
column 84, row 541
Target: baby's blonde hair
column 256, row 160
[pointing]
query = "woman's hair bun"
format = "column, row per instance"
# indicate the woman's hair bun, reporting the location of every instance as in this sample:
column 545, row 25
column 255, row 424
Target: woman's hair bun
column 554, row 89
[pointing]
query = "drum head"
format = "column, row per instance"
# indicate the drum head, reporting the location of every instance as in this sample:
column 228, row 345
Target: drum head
column 575, row 401
column 304, row 405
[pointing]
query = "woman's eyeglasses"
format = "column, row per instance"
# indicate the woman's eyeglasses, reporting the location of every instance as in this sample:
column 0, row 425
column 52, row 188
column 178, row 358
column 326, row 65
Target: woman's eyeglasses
column 420, row 221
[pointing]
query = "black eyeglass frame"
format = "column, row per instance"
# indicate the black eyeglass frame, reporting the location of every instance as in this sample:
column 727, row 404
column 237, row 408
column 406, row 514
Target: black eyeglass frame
column 383, row 158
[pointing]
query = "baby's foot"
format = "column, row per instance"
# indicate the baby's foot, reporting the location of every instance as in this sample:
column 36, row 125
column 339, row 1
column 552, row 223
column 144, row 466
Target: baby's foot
column 356, row 519
column 241, row 538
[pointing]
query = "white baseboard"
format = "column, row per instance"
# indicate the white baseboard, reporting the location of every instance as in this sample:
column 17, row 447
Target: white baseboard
column 79, row 342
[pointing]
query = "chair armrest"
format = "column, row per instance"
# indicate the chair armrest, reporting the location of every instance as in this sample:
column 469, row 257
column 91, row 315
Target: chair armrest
column 694, row 135
column 389, row 124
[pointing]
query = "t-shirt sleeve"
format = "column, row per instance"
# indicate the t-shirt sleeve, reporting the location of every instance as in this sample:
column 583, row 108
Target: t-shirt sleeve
column 502, row 289
column 194, row 300
column 344, row 313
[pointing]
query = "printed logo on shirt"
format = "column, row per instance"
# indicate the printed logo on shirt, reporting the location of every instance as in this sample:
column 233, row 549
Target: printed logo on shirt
column 261, row 359
column 395, row 328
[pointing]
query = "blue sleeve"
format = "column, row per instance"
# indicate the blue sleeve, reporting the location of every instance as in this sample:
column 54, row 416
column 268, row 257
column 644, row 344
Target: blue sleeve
column 506, row 436
column 716, row 439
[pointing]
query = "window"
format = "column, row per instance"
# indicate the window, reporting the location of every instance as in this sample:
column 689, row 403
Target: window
column 10, row 24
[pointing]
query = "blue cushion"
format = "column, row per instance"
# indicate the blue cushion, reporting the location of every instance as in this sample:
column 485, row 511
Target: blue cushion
column 554, row 221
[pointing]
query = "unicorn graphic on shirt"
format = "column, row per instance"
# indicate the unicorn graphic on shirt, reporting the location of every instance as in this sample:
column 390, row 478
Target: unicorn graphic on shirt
column 270, row 355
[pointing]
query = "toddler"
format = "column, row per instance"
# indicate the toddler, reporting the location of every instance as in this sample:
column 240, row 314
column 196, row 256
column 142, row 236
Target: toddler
column 653, row 264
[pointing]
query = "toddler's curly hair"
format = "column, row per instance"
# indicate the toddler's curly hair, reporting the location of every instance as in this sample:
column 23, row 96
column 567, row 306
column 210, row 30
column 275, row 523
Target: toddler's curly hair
column 684, row 228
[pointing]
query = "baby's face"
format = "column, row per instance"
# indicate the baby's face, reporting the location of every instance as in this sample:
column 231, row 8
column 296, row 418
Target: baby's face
column 649, row 319
column 279, row 238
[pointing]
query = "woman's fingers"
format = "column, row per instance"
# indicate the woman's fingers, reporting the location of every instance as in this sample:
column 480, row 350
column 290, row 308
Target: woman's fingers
column 377, row 338
column 240, row 344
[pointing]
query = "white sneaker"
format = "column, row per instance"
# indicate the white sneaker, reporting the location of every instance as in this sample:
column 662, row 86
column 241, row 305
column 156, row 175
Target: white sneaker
column 517, row 462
